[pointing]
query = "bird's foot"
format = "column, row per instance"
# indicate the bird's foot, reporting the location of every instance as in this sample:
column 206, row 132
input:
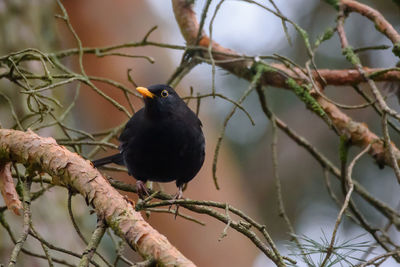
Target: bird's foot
column 142, row 189
column 178, row 195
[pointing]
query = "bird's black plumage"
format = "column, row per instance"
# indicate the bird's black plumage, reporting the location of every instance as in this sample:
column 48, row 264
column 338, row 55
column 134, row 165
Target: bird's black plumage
column 163, row 141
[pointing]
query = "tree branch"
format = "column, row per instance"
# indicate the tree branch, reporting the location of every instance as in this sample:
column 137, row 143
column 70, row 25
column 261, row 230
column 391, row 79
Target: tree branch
column 70, row 170
column 189, row 27
column 357, row 132
column 381, row 24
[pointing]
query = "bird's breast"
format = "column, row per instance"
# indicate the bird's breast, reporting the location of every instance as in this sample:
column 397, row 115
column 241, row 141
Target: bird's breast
column 165, row 151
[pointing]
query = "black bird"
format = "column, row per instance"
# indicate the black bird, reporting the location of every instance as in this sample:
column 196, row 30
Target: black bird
column 162, row 142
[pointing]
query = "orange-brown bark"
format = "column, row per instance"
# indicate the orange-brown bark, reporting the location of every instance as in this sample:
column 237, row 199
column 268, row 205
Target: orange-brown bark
column 69, row 169
column 357, row 132
column 189, row 27
column 380, row 22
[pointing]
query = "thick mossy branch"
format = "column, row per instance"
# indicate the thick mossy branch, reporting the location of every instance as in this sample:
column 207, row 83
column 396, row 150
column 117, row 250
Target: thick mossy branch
column 71, row 170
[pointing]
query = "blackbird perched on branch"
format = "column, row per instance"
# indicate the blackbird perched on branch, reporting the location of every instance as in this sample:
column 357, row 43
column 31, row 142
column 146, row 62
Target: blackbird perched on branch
column 162, row 142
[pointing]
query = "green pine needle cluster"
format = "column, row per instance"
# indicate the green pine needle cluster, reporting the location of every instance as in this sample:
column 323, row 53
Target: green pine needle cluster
column 343, row 253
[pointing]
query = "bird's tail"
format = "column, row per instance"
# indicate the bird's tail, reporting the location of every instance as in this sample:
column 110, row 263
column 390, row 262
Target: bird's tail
column 117, row 159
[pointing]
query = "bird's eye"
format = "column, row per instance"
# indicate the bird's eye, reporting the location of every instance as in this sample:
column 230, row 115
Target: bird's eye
column 164, row 93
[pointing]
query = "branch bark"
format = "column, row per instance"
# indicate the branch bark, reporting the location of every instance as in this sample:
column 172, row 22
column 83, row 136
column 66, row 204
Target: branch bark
column 70, row 170
column 357, row 132
column 7, row 189
column 189, row 27
column 380, row 22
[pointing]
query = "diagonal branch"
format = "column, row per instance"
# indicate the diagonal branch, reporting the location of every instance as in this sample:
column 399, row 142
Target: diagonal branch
column 69, row 169
column 357, row 132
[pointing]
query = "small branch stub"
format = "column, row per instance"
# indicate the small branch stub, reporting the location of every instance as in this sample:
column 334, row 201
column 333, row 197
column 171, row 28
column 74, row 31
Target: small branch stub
column 7, row 189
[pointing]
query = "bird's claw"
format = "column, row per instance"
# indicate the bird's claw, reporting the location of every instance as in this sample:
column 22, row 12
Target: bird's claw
column 142, row 189
column 178, row 195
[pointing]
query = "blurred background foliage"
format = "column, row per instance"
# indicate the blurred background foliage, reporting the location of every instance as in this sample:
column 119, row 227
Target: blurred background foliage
column 244, row 168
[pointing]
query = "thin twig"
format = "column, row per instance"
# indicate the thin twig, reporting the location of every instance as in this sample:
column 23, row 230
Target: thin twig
column 93, row 244
column 27, row 222
column 350, row 189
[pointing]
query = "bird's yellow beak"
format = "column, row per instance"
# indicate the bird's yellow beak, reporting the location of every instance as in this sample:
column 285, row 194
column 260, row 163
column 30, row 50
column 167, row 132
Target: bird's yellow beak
column 145, row 92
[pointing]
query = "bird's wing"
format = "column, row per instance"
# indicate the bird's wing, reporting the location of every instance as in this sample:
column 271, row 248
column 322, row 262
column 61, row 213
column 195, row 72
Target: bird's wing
column 130, row 130
column 187, row 115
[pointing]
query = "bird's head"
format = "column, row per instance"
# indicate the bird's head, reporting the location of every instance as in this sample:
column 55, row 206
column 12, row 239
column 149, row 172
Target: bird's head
column 160, row 99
